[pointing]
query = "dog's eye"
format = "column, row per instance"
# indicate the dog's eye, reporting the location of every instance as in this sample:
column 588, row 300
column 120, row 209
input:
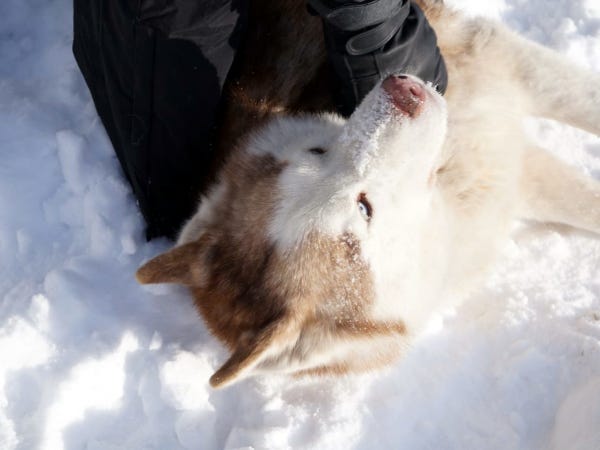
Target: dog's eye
column 317, row 151
column 365, row 208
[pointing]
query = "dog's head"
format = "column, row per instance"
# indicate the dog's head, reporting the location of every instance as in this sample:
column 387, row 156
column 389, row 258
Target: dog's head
column 313, row 253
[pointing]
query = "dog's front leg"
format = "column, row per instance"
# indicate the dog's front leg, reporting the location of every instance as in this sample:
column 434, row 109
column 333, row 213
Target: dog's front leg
column 556, row 88
column 552, row 191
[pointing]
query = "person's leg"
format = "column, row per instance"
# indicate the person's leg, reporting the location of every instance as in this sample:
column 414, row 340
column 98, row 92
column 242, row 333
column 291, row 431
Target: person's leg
column 156, row 70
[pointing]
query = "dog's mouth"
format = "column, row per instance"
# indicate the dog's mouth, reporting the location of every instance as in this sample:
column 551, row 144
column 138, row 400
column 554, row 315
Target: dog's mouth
column 408, row 94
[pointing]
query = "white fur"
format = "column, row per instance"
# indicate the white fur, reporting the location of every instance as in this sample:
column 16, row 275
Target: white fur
column 390, row 158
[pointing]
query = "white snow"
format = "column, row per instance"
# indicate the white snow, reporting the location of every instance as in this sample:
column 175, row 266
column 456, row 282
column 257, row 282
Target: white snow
column 89, row 359
column 362, row 134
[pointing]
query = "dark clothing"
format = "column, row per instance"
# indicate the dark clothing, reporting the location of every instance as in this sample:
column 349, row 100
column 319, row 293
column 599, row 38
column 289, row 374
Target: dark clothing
column 367, row 41
column 156, row 70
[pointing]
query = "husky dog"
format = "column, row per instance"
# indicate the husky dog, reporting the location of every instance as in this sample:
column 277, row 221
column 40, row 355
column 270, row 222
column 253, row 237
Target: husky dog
column 326, row 244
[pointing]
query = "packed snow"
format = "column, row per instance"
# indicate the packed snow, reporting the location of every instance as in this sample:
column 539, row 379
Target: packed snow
column 89, row 359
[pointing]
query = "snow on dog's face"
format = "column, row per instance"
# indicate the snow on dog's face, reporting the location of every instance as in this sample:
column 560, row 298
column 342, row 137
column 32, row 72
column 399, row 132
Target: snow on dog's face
column 314, row 253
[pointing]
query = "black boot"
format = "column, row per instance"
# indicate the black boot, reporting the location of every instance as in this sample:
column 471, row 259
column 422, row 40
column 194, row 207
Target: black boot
column 368, row 40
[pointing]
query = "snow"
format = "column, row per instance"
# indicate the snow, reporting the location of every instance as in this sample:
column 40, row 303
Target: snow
column 367, row 123
column 91, row 360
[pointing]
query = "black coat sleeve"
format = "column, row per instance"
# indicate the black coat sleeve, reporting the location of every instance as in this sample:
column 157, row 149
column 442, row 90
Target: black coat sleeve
column 368, row 40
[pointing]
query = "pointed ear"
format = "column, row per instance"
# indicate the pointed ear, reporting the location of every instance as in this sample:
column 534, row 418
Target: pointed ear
column 183, row 264
column 246, row 357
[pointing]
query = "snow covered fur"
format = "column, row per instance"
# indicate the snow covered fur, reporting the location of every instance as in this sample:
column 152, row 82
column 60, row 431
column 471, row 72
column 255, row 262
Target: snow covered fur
column 326, row 244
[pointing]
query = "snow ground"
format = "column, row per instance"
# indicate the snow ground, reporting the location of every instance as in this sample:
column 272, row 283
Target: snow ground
column 91, row 360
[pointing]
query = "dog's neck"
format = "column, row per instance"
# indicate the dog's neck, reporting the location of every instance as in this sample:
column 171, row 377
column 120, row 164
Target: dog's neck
column 280, row 69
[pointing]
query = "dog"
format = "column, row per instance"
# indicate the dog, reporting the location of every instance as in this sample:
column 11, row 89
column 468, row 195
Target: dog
column 326, row 244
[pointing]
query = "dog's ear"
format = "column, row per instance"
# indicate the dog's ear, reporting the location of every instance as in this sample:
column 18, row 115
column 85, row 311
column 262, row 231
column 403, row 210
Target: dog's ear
column 268, row 342
column 183, row 264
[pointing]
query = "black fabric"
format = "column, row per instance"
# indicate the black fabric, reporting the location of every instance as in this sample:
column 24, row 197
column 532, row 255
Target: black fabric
column 355, row 15
column 364, row 48
column 156, row 70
